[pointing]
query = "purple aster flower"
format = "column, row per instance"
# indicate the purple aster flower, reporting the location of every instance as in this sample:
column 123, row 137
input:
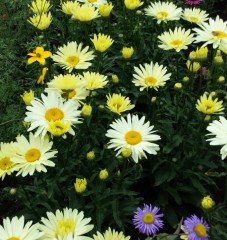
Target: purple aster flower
column 193, row 2
column 195, row 228
column 147, row 220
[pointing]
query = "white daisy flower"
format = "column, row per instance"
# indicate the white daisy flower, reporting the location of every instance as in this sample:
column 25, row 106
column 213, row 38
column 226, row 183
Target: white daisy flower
column 177, row 39
column 110, row 234
column 195, row 15
column 134, row 134
column 72, row 56
column 150, row 76
column 52, row 108
column 218, row 129
column 213, row 32
column 163, row 11
column 69, row 86
column 64, row 224
column 16, row 229
column 33, row 154
column 6, row 165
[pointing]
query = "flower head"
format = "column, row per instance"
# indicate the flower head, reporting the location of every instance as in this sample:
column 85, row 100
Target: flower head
column 206, row 104
column 213, row 32
column 90, row 155
column 69, row 7
column 105, row 9
column 39, row 55
column 132, row 4
column 218, row 132
column 163, row 11
column 103, row 174
column 147, row 220
column 40, row 6
column 16, row 229
column 94, row 80
column 69, row 86
column 7, row 166
column 194, row 15
column 207, row 202
column 72, row 56
column 80, row 185
column 33, row 154
column 193, row 66
column 150, row 75
column 133, row 133
column 195, row 228
column 102, row 42
column 110, row 234
column 65, row 223
column 85, row 13
column 118, row 103
column 41, row 21
column 127, row 52
column 51, row 108
column 199, row 55
column 42, row 76
column 28, row 97
column 178, row 39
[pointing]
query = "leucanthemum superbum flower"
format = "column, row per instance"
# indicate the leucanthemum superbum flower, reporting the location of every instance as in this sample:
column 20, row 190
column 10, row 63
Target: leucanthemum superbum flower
column 206, row 104
column 73, row 56
column 33, row 154
column 147, row 220
column 133, row 133
column 213, row 32
column 94, row 80
column 69, row 86
column 194, row 15
column 177, row 39
column 69, row 222
column 69, row 7
column 118, row 104
column 110, row 234
column 41, row 21
column 163, row 11
column 150, row 75
column 85, row 13
column 6, row 153
column 96, row 3
column 40, row 6
column 42, row 113
column 16, row 229
column 195, row 228
column 102, row 42
column 218, row 132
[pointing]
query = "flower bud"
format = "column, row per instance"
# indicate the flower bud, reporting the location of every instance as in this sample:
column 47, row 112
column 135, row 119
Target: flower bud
column 103, row 174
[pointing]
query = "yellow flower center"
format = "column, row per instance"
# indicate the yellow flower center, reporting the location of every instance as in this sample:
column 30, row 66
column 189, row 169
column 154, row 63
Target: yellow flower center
column 54, row 114
column 133, row 137
column 162, row 15
column 13, row 238
column 32, row 155
column 148, row 218
column 92, row 1
column 200, row 230
column 176, row 43
column 5, row 163
column 38, row 55
column 219, row 34
column 65, row 226
column 194, row 19
column 150, row 81
column 73, row 60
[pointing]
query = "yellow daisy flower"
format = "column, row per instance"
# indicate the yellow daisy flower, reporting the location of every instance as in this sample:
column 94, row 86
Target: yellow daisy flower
column 85, row 13
column 118, row 103
column 132, row 4
column 69, row 7
column 42, row 76
column 41, row 21
column 194, row 15
column 105, row 9
column 102, row 42
column 28, row 97
column 40, row 6
column 177, row 39
column 39, row 55
column 94, row 80
column 206, row 104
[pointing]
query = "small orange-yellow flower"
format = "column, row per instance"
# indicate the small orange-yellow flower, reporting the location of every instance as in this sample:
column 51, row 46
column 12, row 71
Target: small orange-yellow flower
column 105, row 9
column 39, row 55
column 42, row 76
